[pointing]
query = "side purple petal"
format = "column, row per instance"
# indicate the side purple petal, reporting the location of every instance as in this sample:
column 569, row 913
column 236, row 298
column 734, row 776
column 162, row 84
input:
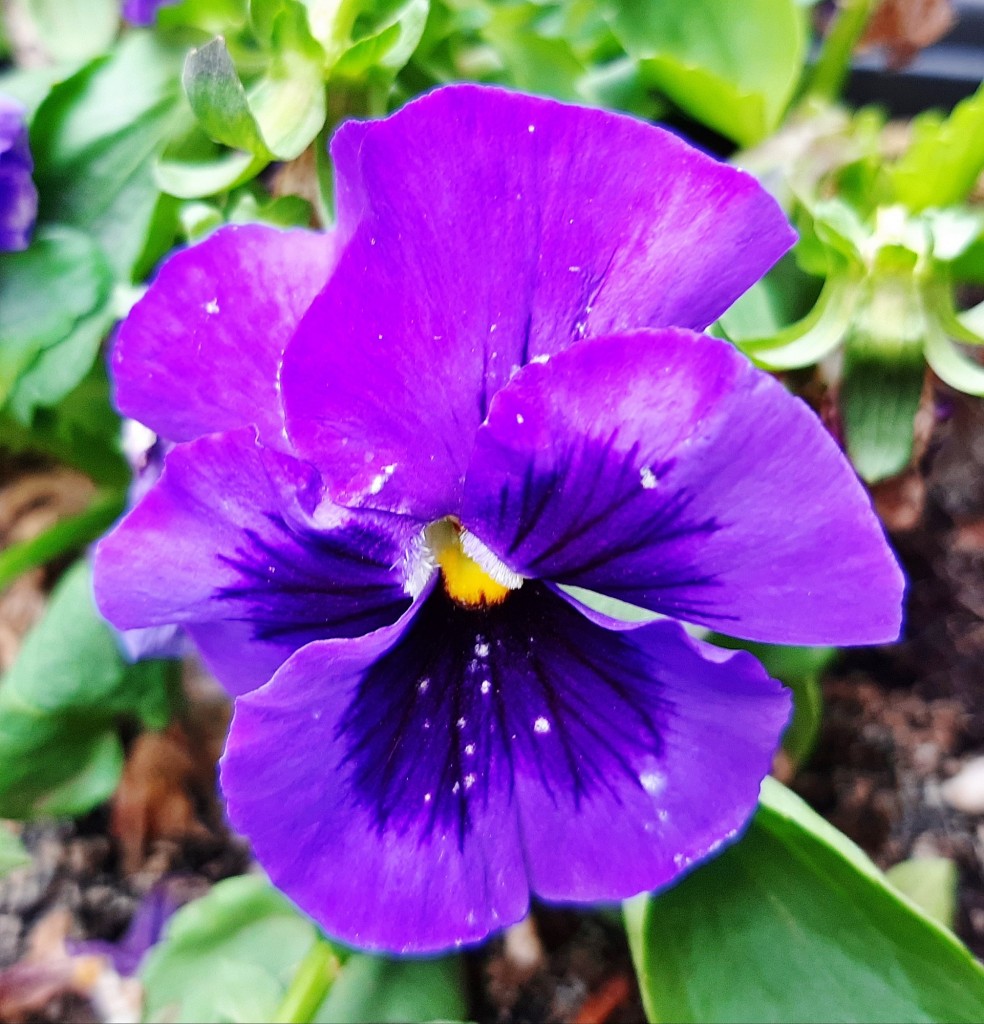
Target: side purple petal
column 487, row 229
column 663, row 469
column 230, row 543
column 444, row 768
column 200, row 352
column 18, row 196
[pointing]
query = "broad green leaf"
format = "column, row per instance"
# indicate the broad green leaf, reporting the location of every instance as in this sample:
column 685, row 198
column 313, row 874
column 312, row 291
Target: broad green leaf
column 219, row 100
column 213, row 17
column 883, row 374
column 196, row 178
column 46, row 291
column 794, row 923
column 931, row 883
column 733, row 67
column 228, row 956
column 12, row 852
column 59, row 705
column 95, row 138
column 372, row 988
column 945, row 158
column 75, row 29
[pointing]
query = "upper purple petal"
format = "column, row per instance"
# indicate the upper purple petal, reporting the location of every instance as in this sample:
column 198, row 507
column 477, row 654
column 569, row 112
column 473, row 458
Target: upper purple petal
column 486, row 229
column 200, row 352
column 663, row 469
column 232, row 543
column 444, row 768
column 18, row 196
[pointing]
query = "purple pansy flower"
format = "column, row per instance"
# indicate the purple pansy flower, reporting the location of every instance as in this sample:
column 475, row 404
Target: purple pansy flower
column 18, row 196
column 402, row 447
column 143, row 12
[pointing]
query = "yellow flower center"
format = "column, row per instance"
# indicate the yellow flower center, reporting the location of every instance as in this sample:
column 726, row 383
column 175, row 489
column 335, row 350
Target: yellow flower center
column 472, row 575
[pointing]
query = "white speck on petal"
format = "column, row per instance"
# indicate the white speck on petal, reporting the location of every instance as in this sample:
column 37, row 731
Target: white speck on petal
column 652, row 782
column 469, row 780
column 486, row 686
column 541, row 359
column 531, row 128
column 519, row 418
column 481, row 649
column 456, row 788
column 574, row 270
column 427, row 798
column 541, row 726
column 492, row 328
column 212, row 306
column 423, row 684
column 469, row 749
column 648, row 478
column 380, row 478
column 461, row 723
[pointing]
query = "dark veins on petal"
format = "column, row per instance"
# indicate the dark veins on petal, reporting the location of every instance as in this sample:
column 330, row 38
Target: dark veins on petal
column 305, row 585
column 529, row 685
column 598, row 486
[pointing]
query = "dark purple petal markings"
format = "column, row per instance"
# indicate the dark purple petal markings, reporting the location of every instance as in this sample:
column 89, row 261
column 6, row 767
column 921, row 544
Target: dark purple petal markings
column 446, row 767
column 486, row 229
column 233, row 542
column 663, row 469
column 200, row 352
column 18, row 196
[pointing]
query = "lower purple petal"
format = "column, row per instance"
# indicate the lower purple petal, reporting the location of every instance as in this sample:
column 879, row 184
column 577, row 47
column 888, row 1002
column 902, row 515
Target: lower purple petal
column 409, row 789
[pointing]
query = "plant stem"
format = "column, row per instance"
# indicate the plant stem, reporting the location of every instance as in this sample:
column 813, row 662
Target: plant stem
column 834, row 62
column 64, row 536
column 310, row 985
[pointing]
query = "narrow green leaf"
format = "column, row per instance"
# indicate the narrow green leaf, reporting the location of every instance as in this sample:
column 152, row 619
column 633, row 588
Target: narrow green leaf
column 219, row 100
column 197, row 178
column 793, row 922
column 884, row 368
column 931, row 883
column 228, row 956
column 384, row 38
column 945, row 157
column 733, row 67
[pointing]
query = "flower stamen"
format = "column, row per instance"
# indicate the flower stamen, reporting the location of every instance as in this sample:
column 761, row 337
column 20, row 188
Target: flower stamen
column 472, row 575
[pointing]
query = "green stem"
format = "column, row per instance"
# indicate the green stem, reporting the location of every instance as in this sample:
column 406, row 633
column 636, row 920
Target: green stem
column 66, row 535
column 834, row 62
column 310, row 985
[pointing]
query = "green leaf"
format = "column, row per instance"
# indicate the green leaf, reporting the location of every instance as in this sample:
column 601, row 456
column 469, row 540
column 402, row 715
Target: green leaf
column 372, row 988
column 793, row 922
column 95, row 138
column 12, row 852
column 74, row 29
column 228, row 956
column 46, row 292
column 884, row 368
column 59, row 704
column 733, row 67
column 384, row 38
column 945, row 157
column 198, row 177
column 219, row 100
column 931, row 883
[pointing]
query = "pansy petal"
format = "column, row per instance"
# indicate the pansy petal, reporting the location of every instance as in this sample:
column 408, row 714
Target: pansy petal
column 218, row 545
column 663, row 469
column 489, row 228
column 200, row 352
column 18, row 196
column 445, row 767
